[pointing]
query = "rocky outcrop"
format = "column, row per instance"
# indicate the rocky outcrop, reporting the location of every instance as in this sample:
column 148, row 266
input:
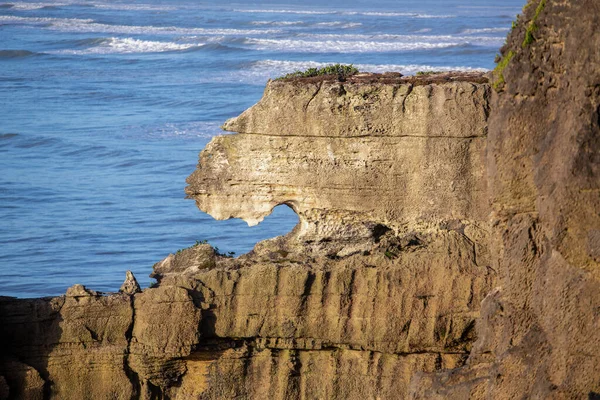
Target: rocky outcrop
column 539, row 334
column 86, row 345
column 448, row 247
column 382, row 278
column 352, row 157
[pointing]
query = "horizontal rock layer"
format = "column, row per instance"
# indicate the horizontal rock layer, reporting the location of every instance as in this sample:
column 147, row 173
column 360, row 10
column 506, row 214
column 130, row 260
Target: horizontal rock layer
column 382, row 278
column 350, row 156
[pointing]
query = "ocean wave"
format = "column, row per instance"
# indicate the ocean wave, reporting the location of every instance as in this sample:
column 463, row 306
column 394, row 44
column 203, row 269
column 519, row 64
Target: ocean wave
column 484, row 30
column 89, row 25
column 154, row 30
column 364, row 13
column 127, row 45
column 334, row 24
column 273, row 68
column 274, row 11
column 397, row 14
column 8, row 54
column 31, row 6
column 12, row 19
column 134, row 7
column 278, row 23
column 338, row 24
column 344, row 46
column 433, row 39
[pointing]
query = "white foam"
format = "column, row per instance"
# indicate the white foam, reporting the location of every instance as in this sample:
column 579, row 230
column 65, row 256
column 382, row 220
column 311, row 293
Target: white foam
column 366, row 13
column 484, row 30
column 34, row 6
column 88, row 25
column 134, row 7
column 273, row 11
column 343, row 46
column 129, row 45
column 42, row 21
column 70, row 26
column 338, row 24
column 432, row 39
column 278, row 23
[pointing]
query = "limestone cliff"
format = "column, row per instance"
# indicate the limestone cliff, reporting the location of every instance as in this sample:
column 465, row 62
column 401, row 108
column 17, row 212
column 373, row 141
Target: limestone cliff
column 406, row 154
column 539, row 334
column 448, row 247
column 382, row 278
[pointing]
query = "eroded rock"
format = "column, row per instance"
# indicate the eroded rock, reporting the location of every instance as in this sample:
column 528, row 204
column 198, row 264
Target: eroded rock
column 131, row 285
column 350, row 157
column 539, row 334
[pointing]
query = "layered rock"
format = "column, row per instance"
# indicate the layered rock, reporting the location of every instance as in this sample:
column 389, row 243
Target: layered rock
column 349, row 156
column 539, row 334
column 382, row 278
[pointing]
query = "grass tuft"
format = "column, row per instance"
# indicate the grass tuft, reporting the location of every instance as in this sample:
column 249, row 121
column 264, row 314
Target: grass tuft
column 499, row 71
column 422, row 73
column 532, row 26
column 342, row 71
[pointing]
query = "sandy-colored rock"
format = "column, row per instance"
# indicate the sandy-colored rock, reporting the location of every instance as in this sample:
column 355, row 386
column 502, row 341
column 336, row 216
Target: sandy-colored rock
column 382, row 278
column 351, row 158
column 130, row 285
column 165, row 329
column 186, row 261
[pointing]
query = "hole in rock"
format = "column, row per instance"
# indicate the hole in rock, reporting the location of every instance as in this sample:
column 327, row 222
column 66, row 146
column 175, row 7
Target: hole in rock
column 234, row 235
column 378, row 231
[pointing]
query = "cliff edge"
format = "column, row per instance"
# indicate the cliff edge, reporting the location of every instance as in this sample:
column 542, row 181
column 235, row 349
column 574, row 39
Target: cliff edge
column 448, row 246
column 382, row 278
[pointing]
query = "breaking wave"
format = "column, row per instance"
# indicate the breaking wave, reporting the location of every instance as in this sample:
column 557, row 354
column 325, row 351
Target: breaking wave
column 364, row 13
column 344, row 46
column 127, row 45
column 485, row 30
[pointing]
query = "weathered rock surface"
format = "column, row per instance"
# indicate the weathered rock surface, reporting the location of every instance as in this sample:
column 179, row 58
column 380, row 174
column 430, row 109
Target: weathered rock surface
column 539, row 334
column 431, row 261
column 350, row 156
column 382, row 278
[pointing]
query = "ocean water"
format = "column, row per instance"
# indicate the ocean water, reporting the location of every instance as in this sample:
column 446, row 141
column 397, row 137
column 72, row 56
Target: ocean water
column 104, row 106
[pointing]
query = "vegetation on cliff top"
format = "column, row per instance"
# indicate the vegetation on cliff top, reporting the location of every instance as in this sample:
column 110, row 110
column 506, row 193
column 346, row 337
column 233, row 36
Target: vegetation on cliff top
column 342, row 71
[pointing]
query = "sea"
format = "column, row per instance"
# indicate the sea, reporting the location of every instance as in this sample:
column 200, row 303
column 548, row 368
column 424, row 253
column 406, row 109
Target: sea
column 105, row 105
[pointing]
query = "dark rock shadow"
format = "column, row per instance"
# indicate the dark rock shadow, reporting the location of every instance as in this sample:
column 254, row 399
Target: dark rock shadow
column 29, row 330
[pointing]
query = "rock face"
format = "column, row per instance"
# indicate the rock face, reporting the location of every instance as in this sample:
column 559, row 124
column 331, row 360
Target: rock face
column 350, row 156
column 539, row 334
column 382, row 278
column 448, row 247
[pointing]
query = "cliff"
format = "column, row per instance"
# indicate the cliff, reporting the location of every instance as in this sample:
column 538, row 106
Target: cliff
column 448, row 246
column 539, row 336
column 382, row 278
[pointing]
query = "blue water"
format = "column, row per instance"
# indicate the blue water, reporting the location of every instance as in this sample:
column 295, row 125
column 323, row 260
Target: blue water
column 105, row 105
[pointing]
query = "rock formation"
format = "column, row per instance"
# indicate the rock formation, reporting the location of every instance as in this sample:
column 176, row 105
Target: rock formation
column 383, row 276
column 448, row 247
column 539, row 332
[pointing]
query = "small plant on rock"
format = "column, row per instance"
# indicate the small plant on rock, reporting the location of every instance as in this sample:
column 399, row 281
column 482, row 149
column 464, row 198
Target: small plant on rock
column 342, row 71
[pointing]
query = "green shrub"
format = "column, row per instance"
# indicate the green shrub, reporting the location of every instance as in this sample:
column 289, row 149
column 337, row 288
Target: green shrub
column 342, row 71
column 422, row 73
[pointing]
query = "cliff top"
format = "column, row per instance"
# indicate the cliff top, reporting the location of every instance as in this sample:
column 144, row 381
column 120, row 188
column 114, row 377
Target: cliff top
column 396, row 78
